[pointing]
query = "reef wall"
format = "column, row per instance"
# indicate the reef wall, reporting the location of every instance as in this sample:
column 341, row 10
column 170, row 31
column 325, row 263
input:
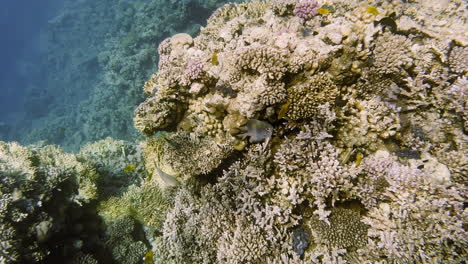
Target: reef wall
column 99, row 54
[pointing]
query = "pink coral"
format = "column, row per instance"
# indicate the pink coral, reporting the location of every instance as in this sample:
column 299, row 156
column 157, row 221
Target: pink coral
column 306, row 9
column 194, row 70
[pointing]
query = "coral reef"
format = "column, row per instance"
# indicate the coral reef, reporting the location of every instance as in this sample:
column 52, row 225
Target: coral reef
column 350, row 112
column 285, row 132
column 47, row 202
column 36, row 188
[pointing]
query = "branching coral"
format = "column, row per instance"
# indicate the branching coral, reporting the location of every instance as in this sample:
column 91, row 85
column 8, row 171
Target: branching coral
column 392, row 54
column 308, row 168
column 37, row 185
column 458, row 60
column 367, row 123
column 341, row 91
column 119, row 237
column 356, row 150
column 245, row 244
column 416, row 214
column 263, row 60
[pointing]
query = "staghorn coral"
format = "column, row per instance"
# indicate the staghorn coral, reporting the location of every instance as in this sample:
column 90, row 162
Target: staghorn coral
column 309, row 169
column 415, row 213
column 245, row 244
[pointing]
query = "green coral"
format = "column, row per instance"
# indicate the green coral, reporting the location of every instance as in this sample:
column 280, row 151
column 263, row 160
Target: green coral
column 146, row 203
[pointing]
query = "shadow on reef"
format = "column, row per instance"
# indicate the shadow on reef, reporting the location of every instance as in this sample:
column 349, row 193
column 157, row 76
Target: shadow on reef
column 83, row 233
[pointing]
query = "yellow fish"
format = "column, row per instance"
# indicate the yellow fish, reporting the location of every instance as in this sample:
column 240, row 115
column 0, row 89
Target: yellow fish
column 372, row 10
column 359, row 158
column 129, row 168
column 149, row 257
column 214, row 59
column 323, row 11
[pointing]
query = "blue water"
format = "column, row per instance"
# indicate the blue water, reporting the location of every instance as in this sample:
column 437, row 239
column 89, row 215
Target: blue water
column 71, row 71
column 23, row 24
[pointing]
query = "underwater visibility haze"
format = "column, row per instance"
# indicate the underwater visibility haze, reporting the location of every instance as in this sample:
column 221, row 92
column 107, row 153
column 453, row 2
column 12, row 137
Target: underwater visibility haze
column 238, row 132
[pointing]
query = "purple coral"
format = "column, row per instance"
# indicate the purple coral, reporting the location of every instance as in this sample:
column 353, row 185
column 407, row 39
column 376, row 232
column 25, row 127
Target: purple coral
column 194, row 70
column 165, row 47
column 306, row 9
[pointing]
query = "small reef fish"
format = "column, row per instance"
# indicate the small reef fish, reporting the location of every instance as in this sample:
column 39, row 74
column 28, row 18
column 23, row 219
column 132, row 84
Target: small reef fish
column 214, row 59
column 129, row 168
column 166, row 178
column 149, row 257
column 372, row 10
column 283, row 110
column 325, row 10
column 257, row 130
column 359, row 158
